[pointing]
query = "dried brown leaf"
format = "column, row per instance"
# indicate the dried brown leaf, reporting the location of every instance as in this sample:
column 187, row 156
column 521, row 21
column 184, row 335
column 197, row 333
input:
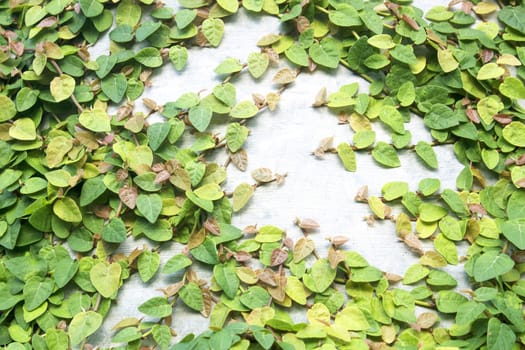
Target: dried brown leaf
column 240, row 159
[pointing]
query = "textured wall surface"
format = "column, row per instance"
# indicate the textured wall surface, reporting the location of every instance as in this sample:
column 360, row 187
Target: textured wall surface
column 283, row 141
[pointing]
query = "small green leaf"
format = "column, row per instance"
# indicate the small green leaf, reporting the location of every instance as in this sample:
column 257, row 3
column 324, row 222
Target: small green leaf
column 148, row 264
column 229, row 66
column 7, row 108
column 95, row 120
column 156, row 307
column 115, row 231
column 490, row 265
column 114, row 86
column 106, row 278
column 191, row 295
column 200, row 117
column 149, row 57
column 257, row 64
column 91, row 8
column 244, row 109
column 514, row 133
column 490, row 71
column 325, row 53
column 83, row 325
column 425, row 151
column 67, row 210
column 241, row 195
column 499, row 335
column 514, row 231
column 213, row 30
column 62, row 87
column 36, row 292
column 226, row 277
column 178, row 56
column 176, row 263
column 149, row 206
column 386, row 155
column 23, row 129
column 347, row 156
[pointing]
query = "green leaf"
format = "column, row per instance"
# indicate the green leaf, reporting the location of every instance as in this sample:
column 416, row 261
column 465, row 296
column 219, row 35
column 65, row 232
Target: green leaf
column 67, row 210
column 148, row 264
column 447, row 61
column 157, row 134
column 37, row 291
column 499, row 335
column 185, row 17
column 490, row 265
column 345, row 16
column 297, row 55
column 106, row 278
column 241, row 195
column 513, row 17
column 115, row 231
column 213, row 30
column 128, row 12
column 441, row 117
column 404, row 53
column 95, row 120
column 156, row 307
column 382, row 41
column 149, row 206
column 386, row 155
column 26, row 98
column 320, row 277
column 91, row 8
column 393, row 118
column 23, row 129
column 149, row 57
column 257, row 64
column 191, row 295
column 229, row 5
column 178, row 56
column 347, row 156
column 127, row 335
column 514, row 133
column 62, row 87
column 325, row 53
column 114, row 86
column 57, row 149
column 406, row 94
column 244, row 109
column 65, row 269
column 83, row 325
column 513, row 88
column 430, row 212
column 146, row 29
column 253, row 5
column 488, row 107
column 7, row 108
column 162, row 336
column 468, row 312
column 425, row 151
column 226, row 277
column 200, row 117
column 206, row 252
column 229, row 66
column 490, row 71
column 176, row 263
column 91, row 190
column 394, row 190
column 255, row 297
column 514, row 231
column 226, row 93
